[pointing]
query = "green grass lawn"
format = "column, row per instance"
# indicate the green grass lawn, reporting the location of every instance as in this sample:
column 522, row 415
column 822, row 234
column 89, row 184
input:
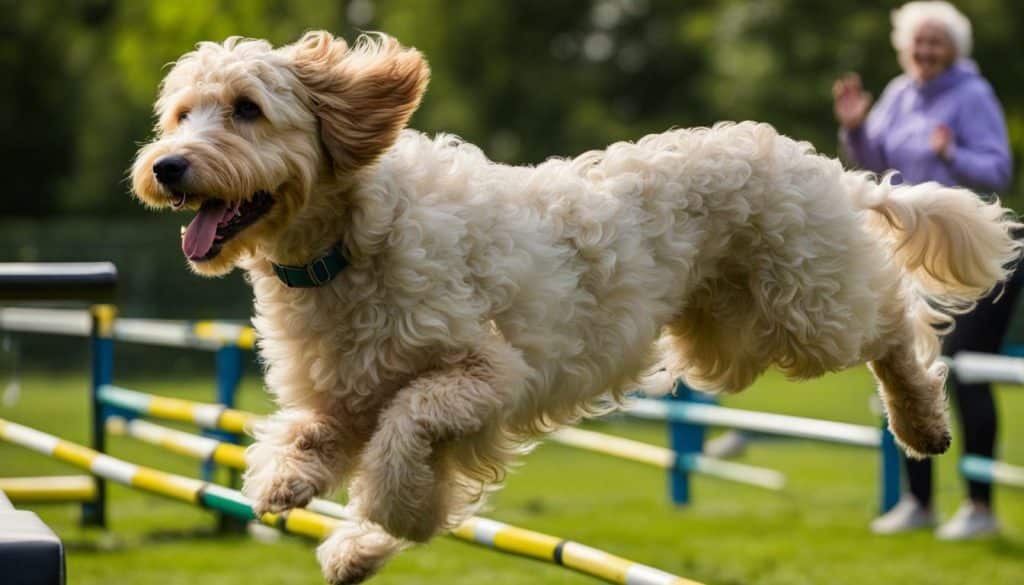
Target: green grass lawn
column 814, row 532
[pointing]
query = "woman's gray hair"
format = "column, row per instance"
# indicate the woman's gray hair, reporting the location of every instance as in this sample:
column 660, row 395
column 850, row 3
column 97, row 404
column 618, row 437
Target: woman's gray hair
column 908, row 18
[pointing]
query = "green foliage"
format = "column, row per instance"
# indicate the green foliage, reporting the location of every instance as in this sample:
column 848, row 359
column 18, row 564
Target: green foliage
column 525, row 80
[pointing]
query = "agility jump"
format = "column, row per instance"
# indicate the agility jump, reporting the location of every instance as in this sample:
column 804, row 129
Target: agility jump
column 302, row 522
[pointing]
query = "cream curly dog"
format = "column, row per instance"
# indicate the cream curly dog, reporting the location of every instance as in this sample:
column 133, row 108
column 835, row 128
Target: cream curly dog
column 425, row 313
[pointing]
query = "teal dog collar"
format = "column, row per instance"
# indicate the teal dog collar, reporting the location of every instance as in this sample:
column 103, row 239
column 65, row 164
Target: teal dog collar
column 317, row 273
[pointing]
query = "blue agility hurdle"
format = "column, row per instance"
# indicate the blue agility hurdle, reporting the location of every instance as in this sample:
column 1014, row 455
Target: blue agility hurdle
column 102, row 326
column 70, row 282
column 688, row 413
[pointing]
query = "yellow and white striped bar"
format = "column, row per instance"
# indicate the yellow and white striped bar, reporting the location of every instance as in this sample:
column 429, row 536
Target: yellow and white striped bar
column 616, row 446
column 101, row 465
column 528, row 543
column 160, row 333
column 210, row 335
column 180, row 442
column 223, row 333
column 208, row 416
column 49, row 489
column 668, row 459
column 482, row 531
column 573, row 555
column 177, row 487
column 206, row 449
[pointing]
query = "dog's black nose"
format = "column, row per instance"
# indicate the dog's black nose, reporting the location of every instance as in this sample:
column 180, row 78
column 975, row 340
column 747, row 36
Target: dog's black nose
column 170, row 169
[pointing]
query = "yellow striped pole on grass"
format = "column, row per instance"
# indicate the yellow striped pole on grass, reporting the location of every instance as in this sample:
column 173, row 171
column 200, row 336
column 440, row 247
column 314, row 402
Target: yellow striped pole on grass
column 207, row 416
column 668, row 459
column 204, row 449
column 478, row 530
column 52, row 488
column 569, row 554
column 318, row 524
column 176, row 487
column 483, row 531
column 195, row 446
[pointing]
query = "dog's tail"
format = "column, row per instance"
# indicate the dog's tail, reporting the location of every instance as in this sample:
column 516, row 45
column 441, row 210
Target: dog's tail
column 955, row 246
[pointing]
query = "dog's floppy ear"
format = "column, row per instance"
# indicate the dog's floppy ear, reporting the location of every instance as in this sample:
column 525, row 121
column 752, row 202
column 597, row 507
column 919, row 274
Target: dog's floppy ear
column 363, row 95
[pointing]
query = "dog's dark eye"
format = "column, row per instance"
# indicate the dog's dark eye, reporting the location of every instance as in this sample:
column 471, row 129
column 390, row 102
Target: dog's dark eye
column 246, row 109
column 182, row 115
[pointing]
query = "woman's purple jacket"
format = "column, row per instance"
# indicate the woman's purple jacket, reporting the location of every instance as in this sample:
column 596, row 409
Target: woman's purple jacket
column 898, row 130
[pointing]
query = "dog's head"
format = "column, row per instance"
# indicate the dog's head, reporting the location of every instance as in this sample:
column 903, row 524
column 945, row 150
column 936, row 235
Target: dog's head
column 248, row 134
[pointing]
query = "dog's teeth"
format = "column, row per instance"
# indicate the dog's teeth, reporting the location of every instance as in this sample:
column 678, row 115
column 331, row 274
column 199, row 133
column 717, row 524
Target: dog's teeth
column 183, row 231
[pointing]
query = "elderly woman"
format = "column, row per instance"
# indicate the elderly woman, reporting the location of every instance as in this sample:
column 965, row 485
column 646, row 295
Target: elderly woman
column 939, row 121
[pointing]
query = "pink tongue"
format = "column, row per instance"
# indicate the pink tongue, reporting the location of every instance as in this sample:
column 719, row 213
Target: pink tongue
column 200, row 234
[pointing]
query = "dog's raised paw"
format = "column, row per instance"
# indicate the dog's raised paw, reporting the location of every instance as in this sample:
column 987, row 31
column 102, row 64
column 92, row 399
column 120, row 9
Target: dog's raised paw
column 284, row 493
column 939, row 444
column 919, row 445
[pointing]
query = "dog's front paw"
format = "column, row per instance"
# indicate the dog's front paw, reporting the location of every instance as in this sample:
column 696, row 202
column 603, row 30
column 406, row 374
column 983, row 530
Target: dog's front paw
column 284, row 491
column 354, row 552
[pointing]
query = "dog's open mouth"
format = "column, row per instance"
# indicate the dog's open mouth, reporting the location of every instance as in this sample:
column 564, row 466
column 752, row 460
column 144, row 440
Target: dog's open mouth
column 217, row 221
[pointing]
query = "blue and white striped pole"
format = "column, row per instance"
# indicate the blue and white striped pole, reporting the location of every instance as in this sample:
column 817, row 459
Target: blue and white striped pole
column 988, row 470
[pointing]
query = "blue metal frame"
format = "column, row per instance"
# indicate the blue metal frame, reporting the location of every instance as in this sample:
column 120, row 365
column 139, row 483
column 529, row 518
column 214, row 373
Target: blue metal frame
column 229, row 375
column 102, row 345
column 685, row 439
column 889, row 484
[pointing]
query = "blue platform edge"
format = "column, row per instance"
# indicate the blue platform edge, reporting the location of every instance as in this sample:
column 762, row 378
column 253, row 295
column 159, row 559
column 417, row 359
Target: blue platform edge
column 30, row 553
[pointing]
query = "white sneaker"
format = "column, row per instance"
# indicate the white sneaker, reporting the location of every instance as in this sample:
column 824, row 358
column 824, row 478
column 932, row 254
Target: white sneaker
column 970, row 521
column 905, row 516
column 727, row 445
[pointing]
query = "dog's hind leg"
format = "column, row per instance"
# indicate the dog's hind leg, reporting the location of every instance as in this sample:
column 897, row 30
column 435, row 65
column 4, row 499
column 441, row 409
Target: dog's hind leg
column 914, row 396
column 711, row 347
column 298, row 454
column 412, row 476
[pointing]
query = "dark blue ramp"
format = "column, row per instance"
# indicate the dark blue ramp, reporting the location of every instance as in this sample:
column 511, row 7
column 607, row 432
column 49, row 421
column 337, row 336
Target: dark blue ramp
column 30, row 553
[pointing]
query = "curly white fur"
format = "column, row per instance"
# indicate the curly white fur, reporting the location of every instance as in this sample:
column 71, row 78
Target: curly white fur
column 486, row 304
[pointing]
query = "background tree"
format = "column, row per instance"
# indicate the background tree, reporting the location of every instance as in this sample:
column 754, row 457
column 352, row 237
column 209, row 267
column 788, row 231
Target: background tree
column 525, row 80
